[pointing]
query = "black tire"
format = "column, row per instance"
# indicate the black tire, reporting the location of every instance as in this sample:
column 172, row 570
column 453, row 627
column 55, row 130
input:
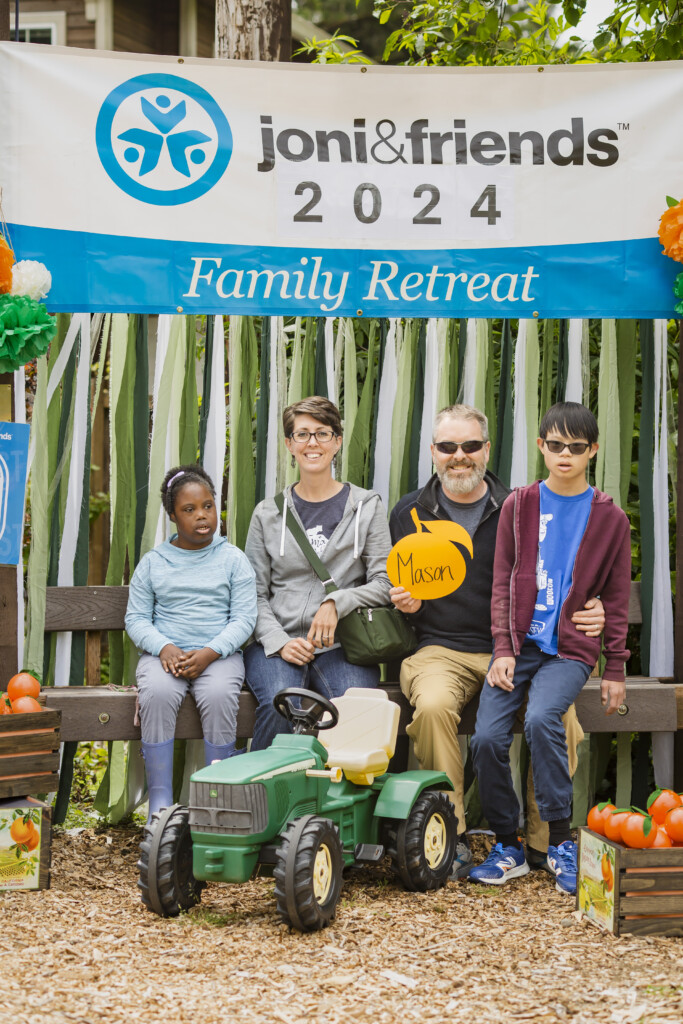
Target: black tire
column 422, row 848
column 166, row 882
column 308, row 873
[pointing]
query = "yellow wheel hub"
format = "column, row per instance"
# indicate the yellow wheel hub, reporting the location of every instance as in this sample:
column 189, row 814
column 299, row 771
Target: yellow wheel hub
column 322, row 873
column 435, row 840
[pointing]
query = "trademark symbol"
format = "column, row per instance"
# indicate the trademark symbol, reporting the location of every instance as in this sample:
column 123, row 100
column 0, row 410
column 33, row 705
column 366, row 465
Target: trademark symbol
column 623, row 126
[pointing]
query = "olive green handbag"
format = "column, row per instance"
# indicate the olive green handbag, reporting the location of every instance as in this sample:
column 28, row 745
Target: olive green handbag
column 368, row 636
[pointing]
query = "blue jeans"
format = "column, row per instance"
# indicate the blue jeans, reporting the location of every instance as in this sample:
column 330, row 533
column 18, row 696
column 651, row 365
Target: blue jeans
column 329, row 674
column 552, row 683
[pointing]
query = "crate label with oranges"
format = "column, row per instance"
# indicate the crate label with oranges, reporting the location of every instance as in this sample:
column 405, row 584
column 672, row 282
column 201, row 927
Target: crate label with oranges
column 20, row 847
column 596, row 880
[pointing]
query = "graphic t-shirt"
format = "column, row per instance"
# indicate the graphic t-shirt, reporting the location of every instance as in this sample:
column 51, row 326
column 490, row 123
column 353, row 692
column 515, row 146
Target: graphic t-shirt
column 321, row 518
column 561, row 526
column 465, row 514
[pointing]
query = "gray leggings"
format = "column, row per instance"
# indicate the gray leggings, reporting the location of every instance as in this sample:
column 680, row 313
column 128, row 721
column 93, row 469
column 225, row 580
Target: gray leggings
column 216, row 693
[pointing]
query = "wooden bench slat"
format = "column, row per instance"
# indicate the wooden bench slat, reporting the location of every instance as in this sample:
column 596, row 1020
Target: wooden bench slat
column 85, row 608
column 652, row 708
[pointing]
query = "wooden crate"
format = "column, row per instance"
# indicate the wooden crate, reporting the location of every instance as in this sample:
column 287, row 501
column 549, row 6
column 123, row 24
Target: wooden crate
column 630, row 891
column 29, row 753
column 25, row 865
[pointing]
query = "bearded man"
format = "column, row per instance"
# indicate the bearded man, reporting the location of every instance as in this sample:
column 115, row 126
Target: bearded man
column 454, row 632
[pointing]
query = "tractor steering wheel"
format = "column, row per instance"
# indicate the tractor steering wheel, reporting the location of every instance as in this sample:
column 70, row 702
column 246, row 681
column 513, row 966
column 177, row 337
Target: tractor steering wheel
column 311, row 717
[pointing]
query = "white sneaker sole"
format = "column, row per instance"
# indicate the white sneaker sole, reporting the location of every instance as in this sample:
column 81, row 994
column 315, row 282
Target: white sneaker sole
column 517, row 872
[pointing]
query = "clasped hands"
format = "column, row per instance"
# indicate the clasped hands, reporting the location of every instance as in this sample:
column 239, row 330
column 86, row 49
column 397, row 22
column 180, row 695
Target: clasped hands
column 188, row 664
column 300, row 651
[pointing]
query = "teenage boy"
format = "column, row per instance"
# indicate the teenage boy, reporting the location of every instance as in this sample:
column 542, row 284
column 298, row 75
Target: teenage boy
column 558, row 543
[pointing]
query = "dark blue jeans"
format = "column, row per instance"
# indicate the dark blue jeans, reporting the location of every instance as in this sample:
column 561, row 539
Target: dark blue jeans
column 329, row 674
column 552, row 684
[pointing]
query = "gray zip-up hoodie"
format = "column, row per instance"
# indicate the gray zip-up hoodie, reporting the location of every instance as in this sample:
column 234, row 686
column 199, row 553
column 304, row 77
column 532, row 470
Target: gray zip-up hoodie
column 289, row 592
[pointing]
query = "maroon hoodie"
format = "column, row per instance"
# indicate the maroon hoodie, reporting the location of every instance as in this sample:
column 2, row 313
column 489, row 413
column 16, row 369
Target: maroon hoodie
column 602, row 568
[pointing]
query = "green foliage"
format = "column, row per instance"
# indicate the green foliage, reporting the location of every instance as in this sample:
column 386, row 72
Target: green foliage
column 328, row 51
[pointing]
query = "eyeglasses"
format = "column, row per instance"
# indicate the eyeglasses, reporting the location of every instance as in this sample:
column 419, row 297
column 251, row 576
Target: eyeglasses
column 304, row 436
column 451, row 447
column 575, row 448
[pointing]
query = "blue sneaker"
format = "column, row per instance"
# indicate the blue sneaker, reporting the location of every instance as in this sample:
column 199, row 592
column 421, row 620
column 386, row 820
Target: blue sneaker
column 562, row 864
column 502, row 864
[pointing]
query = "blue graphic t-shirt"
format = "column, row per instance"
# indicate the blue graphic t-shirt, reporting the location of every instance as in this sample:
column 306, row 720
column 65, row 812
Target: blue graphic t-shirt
column 561, row 526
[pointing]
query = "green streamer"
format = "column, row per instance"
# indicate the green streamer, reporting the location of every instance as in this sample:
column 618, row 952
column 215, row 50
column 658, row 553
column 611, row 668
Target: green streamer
column 206, row 384
column 242, row 478
column 547, row 367
column 502, row 461
column 562, row 361
column 141, row 424
column 531, row 396
column 415, row 439
column 189, row 403
column 645, row 495
column 627, row 350
column 360, row 444
column 607, row 469
column 263, row 412
column 320, row 376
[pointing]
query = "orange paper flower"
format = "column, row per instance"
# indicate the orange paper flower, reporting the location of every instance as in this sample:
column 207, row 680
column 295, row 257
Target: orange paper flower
column 671, row 232
column 6, row 264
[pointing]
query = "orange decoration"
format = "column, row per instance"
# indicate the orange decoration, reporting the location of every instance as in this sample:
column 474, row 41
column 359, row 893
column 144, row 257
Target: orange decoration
column 23, row 685
column 6, row 264
column 662, row 841
column 21, row 831
column 607, row 872
column 426, row 563
column 638, row 831
column 613, row 823
column 25, row 705
column 671, row 232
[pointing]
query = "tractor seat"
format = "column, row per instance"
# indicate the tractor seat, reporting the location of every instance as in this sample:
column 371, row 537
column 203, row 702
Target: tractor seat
column 364, row 739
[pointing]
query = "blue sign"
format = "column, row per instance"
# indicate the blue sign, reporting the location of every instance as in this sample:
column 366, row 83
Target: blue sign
column 163, row 139
column 13, row 463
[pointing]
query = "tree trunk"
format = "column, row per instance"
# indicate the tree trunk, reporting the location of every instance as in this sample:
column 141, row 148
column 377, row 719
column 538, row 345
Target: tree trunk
column 254, row 29
column 4, row 19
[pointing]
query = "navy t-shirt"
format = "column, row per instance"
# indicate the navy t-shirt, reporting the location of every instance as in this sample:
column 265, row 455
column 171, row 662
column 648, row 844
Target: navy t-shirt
column 321, row 518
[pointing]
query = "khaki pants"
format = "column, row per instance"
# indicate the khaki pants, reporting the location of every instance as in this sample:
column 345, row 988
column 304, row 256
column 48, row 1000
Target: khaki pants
column 439, row 682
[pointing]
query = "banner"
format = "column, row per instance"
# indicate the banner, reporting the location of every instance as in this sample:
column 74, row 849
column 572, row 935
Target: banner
column 13, row 462
column 165, row 184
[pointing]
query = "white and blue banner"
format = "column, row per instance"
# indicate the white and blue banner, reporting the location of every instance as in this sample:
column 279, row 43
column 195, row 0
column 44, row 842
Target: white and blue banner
column 165, row 184
column 14, row 439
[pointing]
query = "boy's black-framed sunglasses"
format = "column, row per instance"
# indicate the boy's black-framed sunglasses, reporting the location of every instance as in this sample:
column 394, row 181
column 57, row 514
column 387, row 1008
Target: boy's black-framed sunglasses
column 451, row 447
column 575, row 448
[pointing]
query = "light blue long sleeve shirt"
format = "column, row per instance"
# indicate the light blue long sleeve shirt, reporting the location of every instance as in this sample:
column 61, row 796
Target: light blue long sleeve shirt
column 193, row 599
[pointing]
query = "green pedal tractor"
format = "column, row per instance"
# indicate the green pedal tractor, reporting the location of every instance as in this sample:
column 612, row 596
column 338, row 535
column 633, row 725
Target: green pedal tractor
column 303, row 810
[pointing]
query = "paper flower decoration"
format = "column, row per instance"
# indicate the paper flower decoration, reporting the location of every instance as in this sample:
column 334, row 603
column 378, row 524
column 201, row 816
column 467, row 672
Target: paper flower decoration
column 6, row 262
column 26, row 330
column 31, row 278
column 671, row 230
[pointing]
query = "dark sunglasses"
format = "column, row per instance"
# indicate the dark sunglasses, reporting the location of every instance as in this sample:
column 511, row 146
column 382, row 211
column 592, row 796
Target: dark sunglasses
column 451, row 447
column 575, row 448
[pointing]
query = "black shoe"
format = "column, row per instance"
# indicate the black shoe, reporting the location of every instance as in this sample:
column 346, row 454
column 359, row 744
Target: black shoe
column 536, row 860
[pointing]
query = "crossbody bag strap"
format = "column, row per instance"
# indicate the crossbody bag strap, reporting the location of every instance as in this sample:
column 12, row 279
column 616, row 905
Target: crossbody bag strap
column 320, row 569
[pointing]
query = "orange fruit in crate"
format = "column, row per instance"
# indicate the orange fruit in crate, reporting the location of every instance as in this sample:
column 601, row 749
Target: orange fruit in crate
column 661, row 802
column 25, row 705
column 21, row 831
column 23, row 685
column 662, row 840
column 597, row 815
column 613, row 823
column 5, row 706
column 673, row 823
column 638, row 831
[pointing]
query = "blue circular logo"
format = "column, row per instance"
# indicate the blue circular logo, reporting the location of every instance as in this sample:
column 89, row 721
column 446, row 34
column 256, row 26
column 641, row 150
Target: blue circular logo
column 162, row 139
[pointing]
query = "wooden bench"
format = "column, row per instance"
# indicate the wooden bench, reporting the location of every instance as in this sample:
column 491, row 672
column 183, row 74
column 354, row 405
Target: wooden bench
column 93, row 712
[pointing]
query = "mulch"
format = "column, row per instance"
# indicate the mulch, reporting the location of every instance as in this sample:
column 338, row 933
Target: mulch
column 87, row 951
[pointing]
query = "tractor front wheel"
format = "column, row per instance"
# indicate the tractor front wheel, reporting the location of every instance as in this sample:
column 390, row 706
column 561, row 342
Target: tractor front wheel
column 166, row 881
column 422, row 847
column 308, row 873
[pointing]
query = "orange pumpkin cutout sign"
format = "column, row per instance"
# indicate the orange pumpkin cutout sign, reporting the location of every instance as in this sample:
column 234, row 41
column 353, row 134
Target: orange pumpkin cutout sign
column 427, row 563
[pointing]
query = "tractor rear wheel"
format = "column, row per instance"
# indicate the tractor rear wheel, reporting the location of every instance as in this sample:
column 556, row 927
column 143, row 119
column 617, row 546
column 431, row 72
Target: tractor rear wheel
column 308, row 873
column 422, row 847
column 166, row 881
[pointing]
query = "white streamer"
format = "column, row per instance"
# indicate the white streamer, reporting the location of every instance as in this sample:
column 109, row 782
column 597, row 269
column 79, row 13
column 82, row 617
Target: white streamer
column 662, row 628
column 519, row 468
column 330, row 366
column 74, row 494
column 214, row 445
column 431, row 383
column 385, row 408
column 573, row 391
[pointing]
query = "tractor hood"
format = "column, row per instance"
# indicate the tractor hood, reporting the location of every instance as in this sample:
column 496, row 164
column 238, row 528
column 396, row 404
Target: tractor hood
column 286, row 754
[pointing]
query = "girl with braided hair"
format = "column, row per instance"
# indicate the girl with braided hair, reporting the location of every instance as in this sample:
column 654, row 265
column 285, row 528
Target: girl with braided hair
column 191, row 606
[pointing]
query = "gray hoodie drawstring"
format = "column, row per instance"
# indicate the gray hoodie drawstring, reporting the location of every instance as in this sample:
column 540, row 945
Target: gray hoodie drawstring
column 355, row 538
column 284, row 528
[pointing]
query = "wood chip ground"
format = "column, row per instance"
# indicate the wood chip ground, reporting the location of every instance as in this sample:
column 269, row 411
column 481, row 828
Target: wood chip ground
column 87, row 952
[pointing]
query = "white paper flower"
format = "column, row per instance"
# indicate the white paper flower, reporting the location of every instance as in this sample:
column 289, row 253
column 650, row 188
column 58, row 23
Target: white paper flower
column 31, row 278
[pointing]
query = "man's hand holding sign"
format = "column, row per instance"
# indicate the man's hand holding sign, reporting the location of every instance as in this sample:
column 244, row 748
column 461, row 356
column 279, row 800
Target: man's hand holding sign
column 426, row 564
